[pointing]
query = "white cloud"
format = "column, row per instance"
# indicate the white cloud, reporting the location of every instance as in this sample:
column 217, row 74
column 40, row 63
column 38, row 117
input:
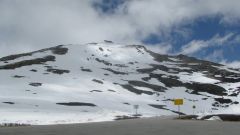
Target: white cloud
column 42, row 23
column 233, row 64
column 163, row 48
column 197, row 45
column 216, row 55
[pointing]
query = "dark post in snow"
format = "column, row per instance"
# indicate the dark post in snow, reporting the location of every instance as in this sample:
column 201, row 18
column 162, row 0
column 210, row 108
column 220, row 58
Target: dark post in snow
column 136, row 108
column 194, row 107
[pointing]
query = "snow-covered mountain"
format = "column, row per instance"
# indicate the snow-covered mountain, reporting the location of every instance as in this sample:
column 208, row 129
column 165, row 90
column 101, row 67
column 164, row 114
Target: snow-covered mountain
column 102, row 81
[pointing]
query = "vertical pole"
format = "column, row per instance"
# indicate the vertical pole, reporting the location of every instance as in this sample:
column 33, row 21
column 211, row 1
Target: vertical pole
column 179, row 111
column 194, row 107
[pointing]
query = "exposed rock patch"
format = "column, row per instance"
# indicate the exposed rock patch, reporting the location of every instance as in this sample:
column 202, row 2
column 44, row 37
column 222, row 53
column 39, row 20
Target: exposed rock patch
column 136, row 91
column 115, row 72
column 35, row 84
column 103, row 61
column 97, row 81
column 86, row 69
column 18, row 76
column 60, row 50
column 57, row 71
column 77, row 104
column 11, row 103
column 28, row 62
column 95, row 91
column 148, row 85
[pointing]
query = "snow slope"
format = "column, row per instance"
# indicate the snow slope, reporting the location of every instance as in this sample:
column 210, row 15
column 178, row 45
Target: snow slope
column 100, row 81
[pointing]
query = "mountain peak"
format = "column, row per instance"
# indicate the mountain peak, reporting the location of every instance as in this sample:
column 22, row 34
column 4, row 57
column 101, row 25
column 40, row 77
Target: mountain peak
column 100, row 81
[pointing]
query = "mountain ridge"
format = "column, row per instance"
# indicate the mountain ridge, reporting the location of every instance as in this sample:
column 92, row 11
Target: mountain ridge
column 100, row 81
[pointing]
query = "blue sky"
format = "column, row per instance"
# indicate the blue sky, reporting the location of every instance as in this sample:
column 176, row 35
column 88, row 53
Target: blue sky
column 206, row 29
column 202, row 28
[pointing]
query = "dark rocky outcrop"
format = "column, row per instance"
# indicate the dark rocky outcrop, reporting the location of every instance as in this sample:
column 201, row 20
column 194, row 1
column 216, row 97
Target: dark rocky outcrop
column 77, row 104
column 28, row 62
column 103, row 61
column 57, row 71
column 156, row 88
column 60, row 50
column 35, row 84
column 86, row 69
column 115, row 72
column 97, row 81
column 11, row 103
column 136, row 91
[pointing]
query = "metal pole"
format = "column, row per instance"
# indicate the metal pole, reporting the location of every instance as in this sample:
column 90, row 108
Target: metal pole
column 179, row 111
column 194, row 107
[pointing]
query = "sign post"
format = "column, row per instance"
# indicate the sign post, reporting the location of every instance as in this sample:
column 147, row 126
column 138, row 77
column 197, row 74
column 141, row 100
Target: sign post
column 194, row 107
column 136, row 108
column 178, row 102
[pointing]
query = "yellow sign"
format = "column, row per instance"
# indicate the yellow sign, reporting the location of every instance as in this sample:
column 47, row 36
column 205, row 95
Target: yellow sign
column 178, row 101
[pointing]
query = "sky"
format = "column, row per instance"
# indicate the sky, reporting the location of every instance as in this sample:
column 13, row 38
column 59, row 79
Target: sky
column 206, row 29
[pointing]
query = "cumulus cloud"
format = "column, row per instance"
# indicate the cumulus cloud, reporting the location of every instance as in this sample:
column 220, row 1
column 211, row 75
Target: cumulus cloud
column 28, row 25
